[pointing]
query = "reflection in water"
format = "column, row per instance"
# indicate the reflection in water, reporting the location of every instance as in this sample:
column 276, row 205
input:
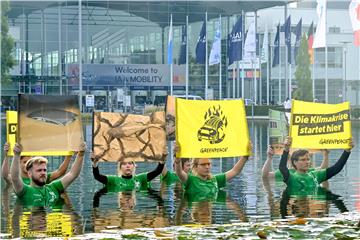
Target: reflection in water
column 39, row 222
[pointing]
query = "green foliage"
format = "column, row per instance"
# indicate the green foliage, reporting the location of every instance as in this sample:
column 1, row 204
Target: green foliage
column 7, row 44
column 302, row 73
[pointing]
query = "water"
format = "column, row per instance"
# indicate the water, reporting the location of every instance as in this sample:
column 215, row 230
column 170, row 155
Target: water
column 247, row 198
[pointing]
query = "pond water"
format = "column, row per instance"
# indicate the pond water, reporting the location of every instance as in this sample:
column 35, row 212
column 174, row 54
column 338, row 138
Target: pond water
column 247, row 198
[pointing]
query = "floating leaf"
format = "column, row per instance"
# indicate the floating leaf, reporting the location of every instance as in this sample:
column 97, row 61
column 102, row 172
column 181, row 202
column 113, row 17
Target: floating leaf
column 261, row 234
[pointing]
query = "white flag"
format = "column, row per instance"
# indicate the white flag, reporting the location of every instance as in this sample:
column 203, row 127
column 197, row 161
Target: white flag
column 354, row 11
column 265, row 49
column 215, row 53
column 250, row 43
column 320, row 35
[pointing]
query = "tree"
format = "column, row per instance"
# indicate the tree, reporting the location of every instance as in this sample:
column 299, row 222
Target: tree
column 7, row 44
column 302, row 73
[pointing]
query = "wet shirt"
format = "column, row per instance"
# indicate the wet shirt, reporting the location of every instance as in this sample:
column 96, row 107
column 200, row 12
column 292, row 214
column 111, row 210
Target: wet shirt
column 28, row 181
column 169, row 178
column 197, row 189
column 47, row 195
column 306, row 183
column 137, row 182
column 279, row 176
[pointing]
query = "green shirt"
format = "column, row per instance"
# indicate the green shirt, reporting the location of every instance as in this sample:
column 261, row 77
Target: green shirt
column 47, row 195
column 27, row 180
column 169, row 178
column 119, row 184
column 197, row 189
column 306, row 183
column 279, row 177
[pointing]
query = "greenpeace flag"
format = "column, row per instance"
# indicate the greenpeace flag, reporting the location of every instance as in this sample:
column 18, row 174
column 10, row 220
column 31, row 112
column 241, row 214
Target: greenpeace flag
column 250, row 42
column 265, row 47
column 211, row 129
column 298, row 38
column 235, row 42
column 170, row 42
column 320, row 34
column 310, row 42
column 276, row 58
column 215, row 53
column 182, row 56
column 287, row 27
column 354, row 10
column 201, row 45
column 320, row 126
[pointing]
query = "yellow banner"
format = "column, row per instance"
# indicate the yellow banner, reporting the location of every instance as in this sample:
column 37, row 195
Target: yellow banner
column 320, row 126
column 211, row 129
column 11, row 133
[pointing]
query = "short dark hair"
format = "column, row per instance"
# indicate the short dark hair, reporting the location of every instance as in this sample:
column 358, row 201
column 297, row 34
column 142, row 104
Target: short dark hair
column 296, row 154
column 184, row 160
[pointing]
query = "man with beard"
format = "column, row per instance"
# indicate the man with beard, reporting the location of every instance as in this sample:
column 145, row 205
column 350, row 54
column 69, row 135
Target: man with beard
column 38, row 193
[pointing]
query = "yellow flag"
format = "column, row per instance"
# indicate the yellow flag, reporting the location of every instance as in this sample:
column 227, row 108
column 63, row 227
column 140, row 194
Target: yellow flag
column 11, row 138
column 320, row 126
column 211, row 128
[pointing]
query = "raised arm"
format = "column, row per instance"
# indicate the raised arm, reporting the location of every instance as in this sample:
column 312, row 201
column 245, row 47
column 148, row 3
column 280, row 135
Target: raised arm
column 178, row 166
column 238, row 166
column 284, row 158
column 61, row 170
column 156, row 172
column 96, row 173
column 266, row 173
column 18, row 184
column 325, row 161
column 339, row 165
column 75, row 169
column 5, row 166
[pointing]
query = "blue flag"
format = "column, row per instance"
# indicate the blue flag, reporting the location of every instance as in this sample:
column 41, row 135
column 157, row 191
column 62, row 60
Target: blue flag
column 276, row 58
column 170, row 42
column 298, row 38
column 201, row 44
column 235, row 42
column 182, row 57
column 287, row 27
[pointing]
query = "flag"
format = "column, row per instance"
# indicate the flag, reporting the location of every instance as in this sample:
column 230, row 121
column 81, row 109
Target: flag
column 265, row 49
column 201, row 45
column 235, row 42
column 211, row 128
column 170, row 42
column 310, row 38
column 215, row 53
column 354, row 10
column 276, row 58
column 250, row 42
column 320, row 126
column 320, row 34
column 298, row 38
column 182, row 56
column 287, row 27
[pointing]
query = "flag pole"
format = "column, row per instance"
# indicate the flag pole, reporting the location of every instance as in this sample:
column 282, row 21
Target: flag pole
column 286, row 55
column 242, row 57
column 187, row 59
column 279, row 66
column 326, row 63
column 171, row 63
column 267, row 73
column 206, row 59
column 313, row 67
column 220, row 83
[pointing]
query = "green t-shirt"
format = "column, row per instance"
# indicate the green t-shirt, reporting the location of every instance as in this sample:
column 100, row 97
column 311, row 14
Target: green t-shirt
column 27, row 180
column 197, row 189
column 306, row 183
column 119, row 184
column 47, row 195
column 169, row 178
column 279, row 177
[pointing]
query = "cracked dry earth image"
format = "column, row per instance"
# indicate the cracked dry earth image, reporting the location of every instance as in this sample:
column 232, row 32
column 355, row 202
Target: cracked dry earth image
column 118, row 137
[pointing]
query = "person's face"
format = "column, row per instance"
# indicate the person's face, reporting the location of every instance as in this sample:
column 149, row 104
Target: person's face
column 303, row 163
column 38, row 174
column 127, row 168
column 23, row 161
column 187, row 166
column 203, row 167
